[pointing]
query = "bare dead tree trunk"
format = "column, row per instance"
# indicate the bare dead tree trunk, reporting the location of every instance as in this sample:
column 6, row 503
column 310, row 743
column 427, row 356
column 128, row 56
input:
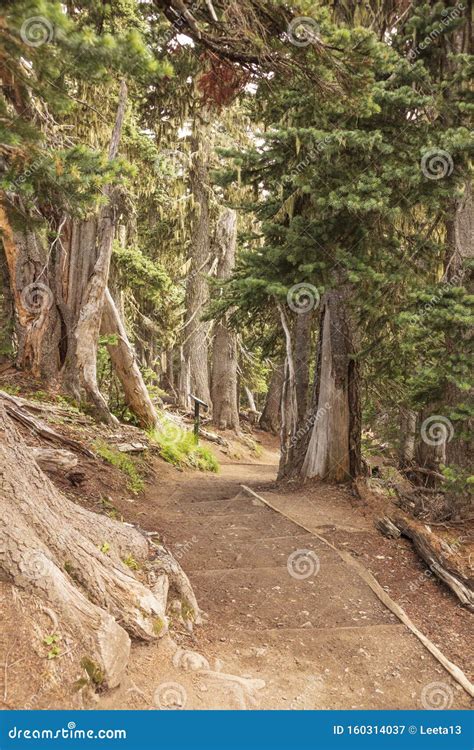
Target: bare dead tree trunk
column 195, row 369
column 334, row 449
column 406, row 453
column 270, row 421
column 54, row 549
column 82, row 371
column 289, row 404
column 125, row 365
column 303, row 328
column 327, row 444
column 250, row 399
column 224, row 355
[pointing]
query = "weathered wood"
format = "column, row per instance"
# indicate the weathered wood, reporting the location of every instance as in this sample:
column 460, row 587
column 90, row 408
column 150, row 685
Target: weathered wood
column 54, row 410
column 51, row 459
column 83, row 376
column 270, row 420
column 388, row 528
column 194, row 377
column 125, row 365
column 72, row 558
column 132, row 447
column 213, row 437
column 19, row 414
column 438, row 562
column 224, row 353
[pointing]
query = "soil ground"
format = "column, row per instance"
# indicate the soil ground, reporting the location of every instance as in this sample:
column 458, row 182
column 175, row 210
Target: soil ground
column 319, row 641
column 288, row 624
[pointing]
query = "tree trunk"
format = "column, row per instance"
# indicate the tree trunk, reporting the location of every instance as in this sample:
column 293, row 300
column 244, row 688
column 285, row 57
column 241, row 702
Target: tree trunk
column 224, row 355
column 250, row 399
column 334, row 449
column 7, row 310
column 270, row 421
column 289, row 405
column 72, row 559
column 37, row 322
column 460, row 238
column 328, row 444
column 304, row 322
column 125, row 365
column 82, row 371
column 442, row 442
column 195, row 370
column 406, row 452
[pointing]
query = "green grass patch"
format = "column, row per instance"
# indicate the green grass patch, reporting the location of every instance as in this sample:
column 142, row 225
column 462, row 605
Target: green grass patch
column 123, row 462
column 178, row 447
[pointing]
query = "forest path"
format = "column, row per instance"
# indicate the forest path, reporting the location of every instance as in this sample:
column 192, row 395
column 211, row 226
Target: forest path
column 282, row 605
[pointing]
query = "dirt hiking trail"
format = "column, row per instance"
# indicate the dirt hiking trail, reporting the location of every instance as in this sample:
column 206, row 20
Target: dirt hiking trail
column 289, row 625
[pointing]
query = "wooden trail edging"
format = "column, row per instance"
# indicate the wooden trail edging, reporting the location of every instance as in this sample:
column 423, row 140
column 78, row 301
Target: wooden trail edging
column 381, row 594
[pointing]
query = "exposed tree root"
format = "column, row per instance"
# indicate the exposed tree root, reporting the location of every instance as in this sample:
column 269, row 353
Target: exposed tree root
column 75, row 560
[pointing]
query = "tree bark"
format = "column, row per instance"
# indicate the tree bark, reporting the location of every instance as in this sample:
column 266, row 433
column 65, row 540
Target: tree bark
column 125, row 365
column 37, row 322
column 224, row 355
column 334, row 449
column 73, row 560
column 406, row 452
column 82, row 371
column 289, row 404
column 328, row 443
column 195, row 370
column 303, row 327
column 270, row 421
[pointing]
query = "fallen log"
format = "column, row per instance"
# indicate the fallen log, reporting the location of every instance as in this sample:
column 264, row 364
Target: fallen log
column 213, row 437
column 132, row 447
column 438, row 561
column 18, row 413
column 52, row 459
column 44, row 407
column 387, row 528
